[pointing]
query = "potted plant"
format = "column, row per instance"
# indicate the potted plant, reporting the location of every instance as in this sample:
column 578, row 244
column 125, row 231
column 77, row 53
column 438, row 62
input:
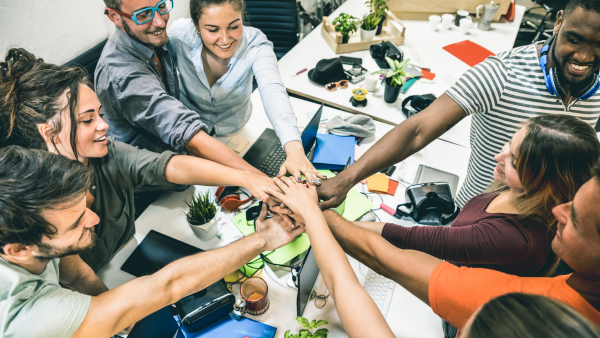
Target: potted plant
column 308, row 329
column 378, row 7
column 395, row 78
column 368, row 27
column 346, row 25
column 201, row 216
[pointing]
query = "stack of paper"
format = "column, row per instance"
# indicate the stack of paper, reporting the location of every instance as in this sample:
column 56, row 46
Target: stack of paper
column 333, row 151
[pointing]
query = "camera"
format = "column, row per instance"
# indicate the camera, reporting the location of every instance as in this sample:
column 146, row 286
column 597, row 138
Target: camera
column 429, row 202
column 356, row 74
column 383, row 49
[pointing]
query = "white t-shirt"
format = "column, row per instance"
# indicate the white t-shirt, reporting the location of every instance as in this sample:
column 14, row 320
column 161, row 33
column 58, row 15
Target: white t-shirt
column 500, row 94
column 36, row 305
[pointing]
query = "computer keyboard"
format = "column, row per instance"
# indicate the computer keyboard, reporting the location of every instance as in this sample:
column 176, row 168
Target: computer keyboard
column 381, row 290
column 273, row 162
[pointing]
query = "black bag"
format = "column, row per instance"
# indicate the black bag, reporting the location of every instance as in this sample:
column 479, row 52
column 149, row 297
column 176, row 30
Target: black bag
column 383, row 49
column 429, row 201
column 205, row 307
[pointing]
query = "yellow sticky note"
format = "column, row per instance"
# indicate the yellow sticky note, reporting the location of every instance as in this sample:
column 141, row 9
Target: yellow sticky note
column 378, row 182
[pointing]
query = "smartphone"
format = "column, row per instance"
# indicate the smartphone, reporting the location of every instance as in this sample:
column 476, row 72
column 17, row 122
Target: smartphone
column 350, row 60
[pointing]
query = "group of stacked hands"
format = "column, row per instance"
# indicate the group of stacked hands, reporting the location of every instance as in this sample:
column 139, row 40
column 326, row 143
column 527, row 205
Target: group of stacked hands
column 529, row 199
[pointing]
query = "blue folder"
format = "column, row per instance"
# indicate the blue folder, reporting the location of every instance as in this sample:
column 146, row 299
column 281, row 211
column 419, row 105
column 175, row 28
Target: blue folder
column 332, row 151
column 232, row 326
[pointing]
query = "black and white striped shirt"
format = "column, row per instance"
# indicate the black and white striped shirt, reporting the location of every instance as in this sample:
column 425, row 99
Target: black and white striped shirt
column 500, row 94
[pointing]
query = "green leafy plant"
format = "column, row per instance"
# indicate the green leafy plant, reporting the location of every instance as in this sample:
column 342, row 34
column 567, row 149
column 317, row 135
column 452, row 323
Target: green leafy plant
column 396, row 72
column 370, row 21
column 308, row 329
column 345, row 24
column 378, row 6
column 201, row 209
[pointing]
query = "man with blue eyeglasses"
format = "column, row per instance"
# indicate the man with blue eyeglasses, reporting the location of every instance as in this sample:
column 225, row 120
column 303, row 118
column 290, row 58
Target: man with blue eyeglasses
column 136, row 82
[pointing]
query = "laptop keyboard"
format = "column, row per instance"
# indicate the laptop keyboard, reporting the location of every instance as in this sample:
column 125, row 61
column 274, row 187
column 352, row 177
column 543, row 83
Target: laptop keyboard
column 273, row 162
column 381, row 290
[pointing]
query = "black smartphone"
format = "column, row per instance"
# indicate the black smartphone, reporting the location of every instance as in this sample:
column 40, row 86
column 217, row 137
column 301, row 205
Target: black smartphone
column 350, row 60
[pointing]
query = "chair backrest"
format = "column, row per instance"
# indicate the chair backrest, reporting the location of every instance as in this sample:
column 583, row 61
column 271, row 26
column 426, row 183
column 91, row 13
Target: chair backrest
column 89, row 59
column 277, row 19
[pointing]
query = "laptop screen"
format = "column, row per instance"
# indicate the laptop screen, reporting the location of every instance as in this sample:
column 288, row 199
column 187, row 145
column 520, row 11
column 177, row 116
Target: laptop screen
column 306, row 280
column 309, row 135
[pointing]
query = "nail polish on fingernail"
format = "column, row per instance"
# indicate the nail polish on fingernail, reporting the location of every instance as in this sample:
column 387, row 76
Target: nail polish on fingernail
column 299, row 179
column 312, row 181
column 318, row 181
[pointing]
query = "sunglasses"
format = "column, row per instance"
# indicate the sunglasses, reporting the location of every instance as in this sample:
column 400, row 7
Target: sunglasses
column 333, row 86
column 229, row 198
column 145, row 15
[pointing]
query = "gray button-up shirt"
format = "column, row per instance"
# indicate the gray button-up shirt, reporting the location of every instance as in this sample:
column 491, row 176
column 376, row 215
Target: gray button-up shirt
column 141, row 108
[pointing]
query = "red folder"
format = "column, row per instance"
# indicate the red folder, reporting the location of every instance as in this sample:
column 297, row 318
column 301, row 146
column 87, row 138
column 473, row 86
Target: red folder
column 468, row 52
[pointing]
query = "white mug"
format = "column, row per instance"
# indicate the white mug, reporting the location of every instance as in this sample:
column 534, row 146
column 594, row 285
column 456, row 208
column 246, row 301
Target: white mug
column 371, row 82
column 465, row 24
column 434, row 20
column 447, row 21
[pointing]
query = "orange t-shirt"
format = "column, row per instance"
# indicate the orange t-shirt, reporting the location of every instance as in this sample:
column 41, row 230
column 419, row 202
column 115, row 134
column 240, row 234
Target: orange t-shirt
column 456, row 293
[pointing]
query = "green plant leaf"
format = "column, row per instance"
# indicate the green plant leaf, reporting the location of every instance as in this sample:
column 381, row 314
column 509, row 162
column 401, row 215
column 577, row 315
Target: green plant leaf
column 383, row 71
column 402, row 65
column 323, row 332
column 390, row 62
column 287, row 334
column 303, row 322
column 304, row 333
column 320, row 323
column 390, row 73
column 313, row 323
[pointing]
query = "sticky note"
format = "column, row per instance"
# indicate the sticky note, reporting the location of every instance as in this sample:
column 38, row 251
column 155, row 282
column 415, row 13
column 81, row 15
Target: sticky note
column 358, row 152
column 378, row 183
column 237, row 144
column 428, row 75
column 356, row 205
column 393, row 185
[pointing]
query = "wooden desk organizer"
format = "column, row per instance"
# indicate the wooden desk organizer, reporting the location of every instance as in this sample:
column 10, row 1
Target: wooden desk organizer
column 393, row 30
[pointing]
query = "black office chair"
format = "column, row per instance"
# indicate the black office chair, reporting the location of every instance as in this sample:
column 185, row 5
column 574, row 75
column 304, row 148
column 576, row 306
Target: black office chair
column 540, row 31
column 278, row 19
column 89, row 59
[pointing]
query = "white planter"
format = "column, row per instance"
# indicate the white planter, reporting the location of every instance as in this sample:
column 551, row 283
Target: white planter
column 207, row 231
column 367, row 35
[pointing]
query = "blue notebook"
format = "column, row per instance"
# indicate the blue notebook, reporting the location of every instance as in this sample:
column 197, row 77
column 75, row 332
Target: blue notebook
column 232, row 326
column 332, row 151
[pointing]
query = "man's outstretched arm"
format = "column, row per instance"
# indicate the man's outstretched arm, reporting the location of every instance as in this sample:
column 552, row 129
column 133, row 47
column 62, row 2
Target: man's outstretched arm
column 116, row 309
column 404, row 140
column 409, row 268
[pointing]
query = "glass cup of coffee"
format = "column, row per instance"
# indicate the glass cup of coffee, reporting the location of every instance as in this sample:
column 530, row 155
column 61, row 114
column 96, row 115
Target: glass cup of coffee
column 254, row 292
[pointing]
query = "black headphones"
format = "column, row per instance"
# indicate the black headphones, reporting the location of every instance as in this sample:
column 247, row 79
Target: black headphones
column 583, row 92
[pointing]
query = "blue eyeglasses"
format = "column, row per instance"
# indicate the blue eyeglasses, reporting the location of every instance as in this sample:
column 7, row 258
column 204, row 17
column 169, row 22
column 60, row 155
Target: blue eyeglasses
column 145, row 15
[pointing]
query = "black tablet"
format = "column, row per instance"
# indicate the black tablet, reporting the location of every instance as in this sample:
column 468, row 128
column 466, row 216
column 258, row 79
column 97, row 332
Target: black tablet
column 306, row 280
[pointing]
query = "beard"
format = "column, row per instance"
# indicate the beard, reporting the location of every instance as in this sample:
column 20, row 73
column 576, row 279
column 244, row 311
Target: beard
column 49, row 252
column 132, row 35
column 565, row 78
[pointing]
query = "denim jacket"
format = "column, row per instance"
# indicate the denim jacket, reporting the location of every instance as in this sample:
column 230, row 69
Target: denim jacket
column 226, row 105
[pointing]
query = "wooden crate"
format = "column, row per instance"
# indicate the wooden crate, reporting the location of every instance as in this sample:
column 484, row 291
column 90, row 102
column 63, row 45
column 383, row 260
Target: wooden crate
column 421, row 10
column 393, row 30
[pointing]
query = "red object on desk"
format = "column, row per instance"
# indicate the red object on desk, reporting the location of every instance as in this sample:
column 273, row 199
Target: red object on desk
column 468, row 52
column 393, row 185
column 427, row 75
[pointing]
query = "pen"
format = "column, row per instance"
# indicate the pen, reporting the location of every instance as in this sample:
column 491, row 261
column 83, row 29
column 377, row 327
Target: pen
column 348, row 163
column 300, row 72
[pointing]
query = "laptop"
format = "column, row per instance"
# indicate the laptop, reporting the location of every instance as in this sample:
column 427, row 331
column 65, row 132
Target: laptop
column 306, row 281
column 267, row 153
column 160, row 324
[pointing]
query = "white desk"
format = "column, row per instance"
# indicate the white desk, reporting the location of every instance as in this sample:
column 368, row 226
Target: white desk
column 408, row 316
column 420, row 39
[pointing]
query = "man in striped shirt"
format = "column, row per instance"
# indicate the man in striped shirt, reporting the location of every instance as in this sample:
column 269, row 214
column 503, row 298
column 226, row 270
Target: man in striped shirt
column 500, row 94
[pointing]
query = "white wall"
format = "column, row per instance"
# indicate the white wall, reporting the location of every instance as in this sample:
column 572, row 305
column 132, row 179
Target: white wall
column 59, row 30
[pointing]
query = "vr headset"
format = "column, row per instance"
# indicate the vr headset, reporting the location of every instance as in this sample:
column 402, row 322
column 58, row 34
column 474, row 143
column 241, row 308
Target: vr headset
column 383, row 49
column 429, row 202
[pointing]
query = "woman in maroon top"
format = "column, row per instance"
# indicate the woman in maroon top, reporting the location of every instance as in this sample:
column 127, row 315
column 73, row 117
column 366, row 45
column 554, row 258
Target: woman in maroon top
column 509, row 227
